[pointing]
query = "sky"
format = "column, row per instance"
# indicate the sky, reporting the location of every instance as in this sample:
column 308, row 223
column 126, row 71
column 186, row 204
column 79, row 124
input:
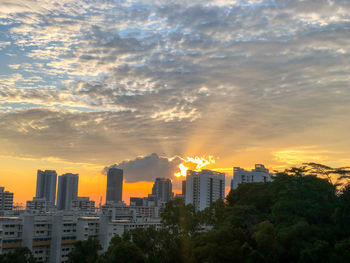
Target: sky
column 145, row 85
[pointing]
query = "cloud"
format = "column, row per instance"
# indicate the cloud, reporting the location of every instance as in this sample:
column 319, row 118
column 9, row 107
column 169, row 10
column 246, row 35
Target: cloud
column 95, row 137
column 148, row 168
column 107, row 81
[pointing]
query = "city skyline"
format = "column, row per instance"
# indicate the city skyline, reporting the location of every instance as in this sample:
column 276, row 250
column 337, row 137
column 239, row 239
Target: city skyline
column 173, row 171
column 174, row 131
column 66, row 190
column 88, row 84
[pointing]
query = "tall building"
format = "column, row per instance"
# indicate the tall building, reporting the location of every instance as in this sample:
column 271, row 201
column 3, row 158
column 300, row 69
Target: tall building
column 259, row 174
column 114, row 185
column 67, row 191
column 6, row 199
column 204, row 187
column 162, row 189
column 46, row 185
column 184, row 187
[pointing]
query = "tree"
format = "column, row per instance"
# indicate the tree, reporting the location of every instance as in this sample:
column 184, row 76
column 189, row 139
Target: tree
column 213, row 215
column 298, row 217
column 337, row 176
column 180, row 218
column 123, row 251
column 225, row 244
column 85, row 251
column 19, row 255
column 307, row 197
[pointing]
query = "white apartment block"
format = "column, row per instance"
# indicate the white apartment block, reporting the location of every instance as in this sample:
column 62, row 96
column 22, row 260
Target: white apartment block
column 118, row 226
column 51, row 236
column 259, row 174
column 39, row 205
column 204, row 187
column 6, row 199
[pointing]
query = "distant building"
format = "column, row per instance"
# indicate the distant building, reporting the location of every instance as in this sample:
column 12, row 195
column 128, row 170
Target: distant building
column 137, row 201
column 67, row 191
column 152, row 200
column 179, row 196
column 184, row 188
column 114, row 185
column 38, row 205
column 83, row 204
column 241, row 176
column 204, row 187
column 162, row 189
column 6, row 199
column 46, row 185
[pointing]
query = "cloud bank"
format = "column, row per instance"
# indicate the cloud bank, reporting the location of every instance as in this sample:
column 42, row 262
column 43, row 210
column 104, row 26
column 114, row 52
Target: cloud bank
column 148, row 168
column 101, row 81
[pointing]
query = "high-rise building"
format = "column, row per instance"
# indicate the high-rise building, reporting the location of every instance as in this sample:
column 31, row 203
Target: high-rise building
column 204, row 187
column 259, row 174
column 184, row 187
column 114, row 191
column 46, row 185
column 162, row 189
column 67, row 191
column 6, row 199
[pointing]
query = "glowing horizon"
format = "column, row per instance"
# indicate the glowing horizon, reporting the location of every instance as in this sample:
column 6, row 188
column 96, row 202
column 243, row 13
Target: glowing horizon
column 160, row 87
column 92, row 180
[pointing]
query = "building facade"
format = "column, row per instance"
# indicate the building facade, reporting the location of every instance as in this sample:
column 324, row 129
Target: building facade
column 6, row 199
column 162, row 189
column 39, row 205
column 204, row 187
column 83, row 204
column 46, row 185
column 258, row 175
column 114, row 191
column 51, row 236
column 67, row 191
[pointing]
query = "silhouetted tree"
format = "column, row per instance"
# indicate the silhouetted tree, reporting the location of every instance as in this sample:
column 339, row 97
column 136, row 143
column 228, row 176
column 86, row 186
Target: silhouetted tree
column 85, row 251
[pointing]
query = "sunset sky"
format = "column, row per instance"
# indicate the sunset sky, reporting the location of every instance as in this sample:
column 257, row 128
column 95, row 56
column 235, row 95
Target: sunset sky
column 146, row 84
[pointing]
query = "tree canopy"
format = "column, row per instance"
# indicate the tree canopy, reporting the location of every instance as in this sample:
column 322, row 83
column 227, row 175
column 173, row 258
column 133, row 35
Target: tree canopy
column 298, row 217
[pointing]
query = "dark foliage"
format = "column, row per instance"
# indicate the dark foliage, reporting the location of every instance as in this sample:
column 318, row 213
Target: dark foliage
column 299, row 217
column 85, row 251
column 19, row 255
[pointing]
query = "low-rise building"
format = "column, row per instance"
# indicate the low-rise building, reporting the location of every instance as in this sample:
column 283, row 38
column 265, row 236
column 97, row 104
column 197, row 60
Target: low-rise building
column 39, row 205
column 83, row 204
column 51, row 236
column 259, row 174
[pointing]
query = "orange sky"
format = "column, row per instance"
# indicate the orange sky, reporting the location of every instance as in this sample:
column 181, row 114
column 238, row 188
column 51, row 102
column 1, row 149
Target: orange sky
column 18, row 175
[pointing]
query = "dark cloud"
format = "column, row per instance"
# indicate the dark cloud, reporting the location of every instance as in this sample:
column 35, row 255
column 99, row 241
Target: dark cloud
column 100, row 137
column 148, row 168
